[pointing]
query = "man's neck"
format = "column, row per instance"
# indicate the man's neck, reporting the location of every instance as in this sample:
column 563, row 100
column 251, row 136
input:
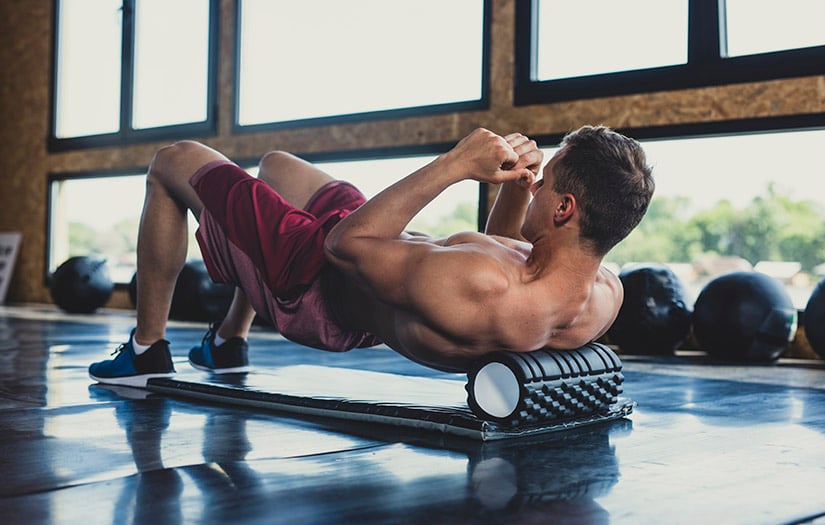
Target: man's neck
column 562, row 255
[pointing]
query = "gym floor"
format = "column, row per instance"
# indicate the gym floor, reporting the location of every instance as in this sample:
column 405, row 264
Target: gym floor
column 707, row 443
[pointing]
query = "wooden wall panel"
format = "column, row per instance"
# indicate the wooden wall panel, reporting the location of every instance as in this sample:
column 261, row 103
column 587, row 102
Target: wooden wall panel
column 25, row 58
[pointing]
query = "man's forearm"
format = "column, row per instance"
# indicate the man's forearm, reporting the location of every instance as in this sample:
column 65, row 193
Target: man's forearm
column 507, row 213
column 481, row 155
column 387, row 214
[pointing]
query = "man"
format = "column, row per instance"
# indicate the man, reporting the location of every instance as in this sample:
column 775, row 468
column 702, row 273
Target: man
column 334, row 271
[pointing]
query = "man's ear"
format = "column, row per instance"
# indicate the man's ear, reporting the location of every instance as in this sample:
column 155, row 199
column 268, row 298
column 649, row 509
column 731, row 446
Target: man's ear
column 564, row 209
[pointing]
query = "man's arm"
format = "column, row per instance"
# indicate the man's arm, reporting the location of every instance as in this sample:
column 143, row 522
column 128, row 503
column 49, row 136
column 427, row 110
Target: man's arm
column 507, row 214
column 369, row 242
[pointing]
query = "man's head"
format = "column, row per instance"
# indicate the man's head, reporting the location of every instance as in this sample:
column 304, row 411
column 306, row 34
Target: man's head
column 608, row 176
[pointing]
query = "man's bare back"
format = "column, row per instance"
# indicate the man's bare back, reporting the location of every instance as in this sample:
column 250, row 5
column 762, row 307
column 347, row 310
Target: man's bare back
column 478, row 297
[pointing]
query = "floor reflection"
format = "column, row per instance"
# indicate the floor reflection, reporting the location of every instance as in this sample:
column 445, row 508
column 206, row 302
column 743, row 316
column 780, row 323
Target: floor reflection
column 559, row 475
column 705, row 445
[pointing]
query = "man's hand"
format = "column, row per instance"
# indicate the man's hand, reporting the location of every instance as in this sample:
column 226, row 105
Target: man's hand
column 507, row 213
column 486, row 157
column 529, row 157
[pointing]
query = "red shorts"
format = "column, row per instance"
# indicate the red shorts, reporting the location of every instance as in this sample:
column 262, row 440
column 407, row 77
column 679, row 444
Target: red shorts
column 252, row 238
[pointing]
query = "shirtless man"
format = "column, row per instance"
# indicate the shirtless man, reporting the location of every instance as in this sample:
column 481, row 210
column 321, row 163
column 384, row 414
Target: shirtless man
column 334, row 271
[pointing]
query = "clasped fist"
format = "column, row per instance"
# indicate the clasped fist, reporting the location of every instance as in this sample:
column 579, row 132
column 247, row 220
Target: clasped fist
column 487, row 157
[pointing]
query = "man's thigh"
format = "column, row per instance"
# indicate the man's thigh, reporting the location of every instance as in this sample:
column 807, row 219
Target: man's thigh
column 295, row 179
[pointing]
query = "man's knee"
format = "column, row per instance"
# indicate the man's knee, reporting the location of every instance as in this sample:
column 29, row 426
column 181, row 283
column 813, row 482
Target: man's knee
column 276, row 163
column 168, row 157
column 179, row 161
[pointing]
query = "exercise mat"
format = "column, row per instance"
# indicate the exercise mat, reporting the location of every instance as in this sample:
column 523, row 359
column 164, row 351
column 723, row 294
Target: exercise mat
column 371, row 398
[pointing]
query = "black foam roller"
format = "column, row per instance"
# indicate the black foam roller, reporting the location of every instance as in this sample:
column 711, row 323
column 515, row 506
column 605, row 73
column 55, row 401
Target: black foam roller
column 531, row 388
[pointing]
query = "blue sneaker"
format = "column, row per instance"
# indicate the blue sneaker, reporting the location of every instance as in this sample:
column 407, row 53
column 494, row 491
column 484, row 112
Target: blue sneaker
column 134, row 370
column 231, row 357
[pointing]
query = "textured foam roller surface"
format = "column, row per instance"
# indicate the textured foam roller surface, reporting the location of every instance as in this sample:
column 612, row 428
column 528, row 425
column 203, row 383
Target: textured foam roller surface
column 518, row 389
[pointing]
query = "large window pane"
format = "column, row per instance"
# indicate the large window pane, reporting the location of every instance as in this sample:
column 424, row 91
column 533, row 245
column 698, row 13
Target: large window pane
column 88, row 68
column 171, row 62
column 764, row 26
column 97, row 216
column 319, row 58
column 589, row 37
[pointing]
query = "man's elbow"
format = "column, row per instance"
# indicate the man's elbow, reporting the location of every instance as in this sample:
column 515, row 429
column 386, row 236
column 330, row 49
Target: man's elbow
column 332, row 247
column 339, row 247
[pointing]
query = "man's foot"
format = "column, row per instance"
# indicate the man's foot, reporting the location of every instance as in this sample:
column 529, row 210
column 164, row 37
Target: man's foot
column 134, row 370
column 231, row 357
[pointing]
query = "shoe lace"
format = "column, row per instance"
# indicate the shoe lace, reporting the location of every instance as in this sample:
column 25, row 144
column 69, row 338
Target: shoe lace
column 210, row 334
column 119, row 349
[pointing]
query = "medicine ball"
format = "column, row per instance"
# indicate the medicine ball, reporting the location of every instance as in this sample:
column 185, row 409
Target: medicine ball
column 744, row 316
column 197, row 297
column 653, row 318
column 81, row 284
column 815, row 319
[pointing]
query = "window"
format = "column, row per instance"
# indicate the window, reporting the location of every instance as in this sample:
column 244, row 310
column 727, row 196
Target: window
column 82, row 223
column 88, row 68
column 763, row 27
column 314, row 59
column 131, row 70
column 171, row 69
column 593, row 48
column 582, row 38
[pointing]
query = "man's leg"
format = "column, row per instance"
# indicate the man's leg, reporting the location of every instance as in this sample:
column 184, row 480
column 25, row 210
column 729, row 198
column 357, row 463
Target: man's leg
column 162, row 241
column 163, row 236
column 295, row 179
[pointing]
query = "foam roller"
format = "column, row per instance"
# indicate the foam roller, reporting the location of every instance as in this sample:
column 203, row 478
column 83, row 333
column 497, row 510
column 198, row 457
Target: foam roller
column 519, row 389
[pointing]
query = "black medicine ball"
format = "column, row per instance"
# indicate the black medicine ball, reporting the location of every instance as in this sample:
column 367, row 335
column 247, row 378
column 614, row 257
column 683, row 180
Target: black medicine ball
column 197, row 297
column 81, row 284
column 744, row 316
column 653, row 318
column 815, row 319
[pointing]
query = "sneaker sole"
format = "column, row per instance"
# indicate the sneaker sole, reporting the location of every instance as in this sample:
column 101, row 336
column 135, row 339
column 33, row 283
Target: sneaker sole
column 231, row 370
column 135, row 381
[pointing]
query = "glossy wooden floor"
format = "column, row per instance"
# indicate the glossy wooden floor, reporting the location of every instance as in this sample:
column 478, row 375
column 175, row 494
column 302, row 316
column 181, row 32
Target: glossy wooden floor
column 706, row 444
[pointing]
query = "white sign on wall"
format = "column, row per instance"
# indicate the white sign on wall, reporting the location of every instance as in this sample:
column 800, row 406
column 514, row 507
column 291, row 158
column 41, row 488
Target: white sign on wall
column 9, row 244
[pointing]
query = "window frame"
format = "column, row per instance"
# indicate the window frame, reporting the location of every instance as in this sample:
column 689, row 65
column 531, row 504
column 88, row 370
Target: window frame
column 415, row 111
column 127, row 134
column 706, row 65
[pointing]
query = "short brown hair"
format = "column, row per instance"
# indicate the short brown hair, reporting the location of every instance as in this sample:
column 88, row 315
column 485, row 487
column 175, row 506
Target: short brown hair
column 611, row 180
